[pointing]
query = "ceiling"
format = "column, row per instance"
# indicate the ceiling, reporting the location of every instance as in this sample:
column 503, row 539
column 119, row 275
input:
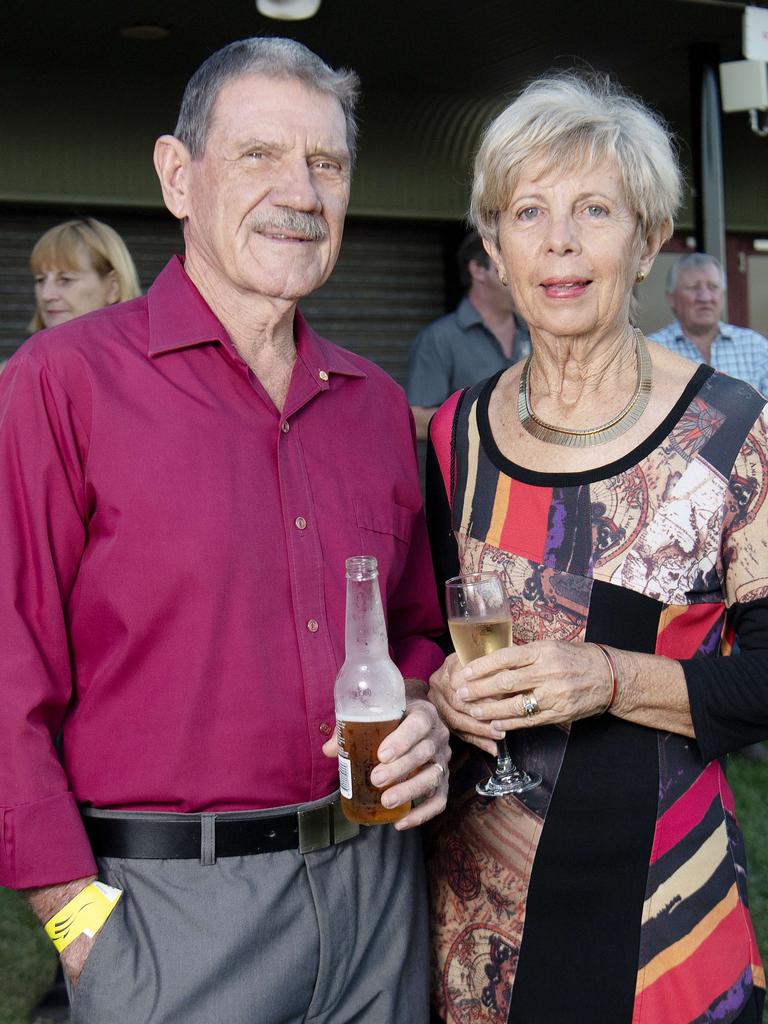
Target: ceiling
column 441, row 47
column 83, row 105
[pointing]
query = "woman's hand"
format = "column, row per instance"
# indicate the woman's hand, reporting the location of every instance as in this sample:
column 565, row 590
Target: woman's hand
column 487, row 698
column 566, row 681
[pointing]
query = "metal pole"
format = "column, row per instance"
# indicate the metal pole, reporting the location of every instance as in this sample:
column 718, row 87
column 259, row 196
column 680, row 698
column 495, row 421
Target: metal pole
column 711, row 231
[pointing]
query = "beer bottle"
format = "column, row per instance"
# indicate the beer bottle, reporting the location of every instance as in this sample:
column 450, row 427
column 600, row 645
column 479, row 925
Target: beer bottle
column 369, row 696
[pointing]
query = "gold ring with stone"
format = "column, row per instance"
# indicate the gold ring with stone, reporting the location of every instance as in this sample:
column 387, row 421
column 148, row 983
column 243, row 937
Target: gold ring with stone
column 530, row 705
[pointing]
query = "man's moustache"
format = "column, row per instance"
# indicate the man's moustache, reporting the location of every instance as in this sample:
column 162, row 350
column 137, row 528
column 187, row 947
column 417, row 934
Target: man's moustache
column 294, row 222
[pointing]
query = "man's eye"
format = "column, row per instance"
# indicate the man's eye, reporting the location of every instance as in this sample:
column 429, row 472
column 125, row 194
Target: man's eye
column 327, row 165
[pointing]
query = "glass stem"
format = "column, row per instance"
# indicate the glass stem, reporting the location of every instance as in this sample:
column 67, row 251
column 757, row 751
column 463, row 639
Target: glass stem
column 503, row 760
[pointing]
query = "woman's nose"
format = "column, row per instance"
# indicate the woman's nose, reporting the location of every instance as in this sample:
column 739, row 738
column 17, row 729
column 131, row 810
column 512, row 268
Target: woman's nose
column 48, row 289
column 562, row 236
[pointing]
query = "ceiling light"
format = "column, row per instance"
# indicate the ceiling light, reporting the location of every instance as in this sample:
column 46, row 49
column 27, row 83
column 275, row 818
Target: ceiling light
column 288, row 10
column 145, row 32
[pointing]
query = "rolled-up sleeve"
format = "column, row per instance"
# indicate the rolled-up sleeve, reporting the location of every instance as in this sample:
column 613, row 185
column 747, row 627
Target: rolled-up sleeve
column 43, row 452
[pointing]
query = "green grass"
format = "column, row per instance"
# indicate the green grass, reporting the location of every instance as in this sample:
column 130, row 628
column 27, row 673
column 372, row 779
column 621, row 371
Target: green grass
column 750, row 788
column 28, row 961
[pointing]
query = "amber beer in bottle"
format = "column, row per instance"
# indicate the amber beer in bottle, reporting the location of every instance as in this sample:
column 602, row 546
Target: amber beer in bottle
column 369, row 696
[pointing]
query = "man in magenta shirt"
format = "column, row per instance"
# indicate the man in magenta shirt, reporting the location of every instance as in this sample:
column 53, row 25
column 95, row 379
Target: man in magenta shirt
column 182, row 478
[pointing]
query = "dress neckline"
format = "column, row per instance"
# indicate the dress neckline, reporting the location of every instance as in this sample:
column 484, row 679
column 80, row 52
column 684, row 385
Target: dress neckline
column 610, row 469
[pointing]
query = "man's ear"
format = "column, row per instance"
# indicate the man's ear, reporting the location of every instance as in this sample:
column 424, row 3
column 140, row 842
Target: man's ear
column 475, row 270
column 172, row 161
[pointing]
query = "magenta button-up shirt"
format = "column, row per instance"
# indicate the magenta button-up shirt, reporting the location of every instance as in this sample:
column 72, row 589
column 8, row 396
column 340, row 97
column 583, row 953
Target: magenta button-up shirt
column 172, row 568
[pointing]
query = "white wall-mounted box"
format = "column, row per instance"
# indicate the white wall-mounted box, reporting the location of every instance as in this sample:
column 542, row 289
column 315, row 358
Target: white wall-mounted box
column 744, row 85
column 754, row 28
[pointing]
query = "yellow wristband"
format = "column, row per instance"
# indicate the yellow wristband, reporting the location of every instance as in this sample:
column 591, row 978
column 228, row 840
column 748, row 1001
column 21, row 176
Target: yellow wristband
column 85, row 914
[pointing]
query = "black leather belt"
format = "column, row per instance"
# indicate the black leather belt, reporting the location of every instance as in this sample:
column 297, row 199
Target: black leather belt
column 206, row 837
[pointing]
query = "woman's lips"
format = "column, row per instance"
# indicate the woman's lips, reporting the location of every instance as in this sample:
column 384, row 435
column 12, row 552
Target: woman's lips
column 565, row 287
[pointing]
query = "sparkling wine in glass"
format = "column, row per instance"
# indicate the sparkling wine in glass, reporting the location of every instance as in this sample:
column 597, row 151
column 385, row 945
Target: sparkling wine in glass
column 479, row 621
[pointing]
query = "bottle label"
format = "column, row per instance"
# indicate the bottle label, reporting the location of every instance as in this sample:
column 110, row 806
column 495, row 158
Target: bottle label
column 345, row 777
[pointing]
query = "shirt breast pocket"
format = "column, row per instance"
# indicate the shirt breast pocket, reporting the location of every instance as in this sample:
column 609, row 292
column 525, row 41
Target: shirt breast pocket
column 385, row 532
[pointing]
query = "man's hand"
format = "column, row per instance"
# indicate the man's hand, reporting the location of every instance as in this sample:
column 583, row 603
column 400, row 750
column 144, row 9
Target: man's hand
column 413, row 760
column 457, row 712
column 47, row 902
column 74, row 956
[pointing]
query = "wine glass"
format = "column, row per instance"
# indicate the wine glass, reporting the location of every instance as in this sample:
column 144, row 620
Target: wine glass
column 479, row 621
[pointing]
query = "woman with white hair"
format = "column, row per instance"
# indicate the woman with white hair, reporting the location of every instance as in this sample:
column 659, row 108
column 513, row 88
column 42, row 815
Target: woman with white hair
column 620, row 494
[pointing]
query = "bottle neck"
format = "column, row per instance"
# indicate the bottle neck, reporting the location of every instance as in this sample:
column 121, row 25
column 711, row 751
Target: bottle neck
column 366, row 631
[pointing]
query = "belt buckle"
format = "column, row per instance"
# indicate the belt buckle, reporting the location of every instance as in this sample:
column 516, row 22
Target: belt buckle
column 314, row 829
column 324, row 826
column 341, row 826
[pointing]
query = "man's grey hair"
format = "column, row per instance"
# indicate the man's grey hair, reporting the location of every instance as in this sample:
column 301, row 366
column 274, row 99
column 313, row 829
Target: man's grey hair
column 273, row 58
column 692, row 261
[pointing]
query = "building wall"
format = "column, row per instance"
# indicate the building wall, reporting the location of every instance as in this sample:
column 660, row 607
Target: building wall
column 391, row 278
column 79, row 135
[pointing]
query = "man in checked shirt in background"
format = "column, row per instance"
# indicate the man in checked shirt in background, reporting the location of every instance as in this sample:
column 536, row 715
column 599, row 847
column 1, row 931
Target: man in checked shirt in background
column 696, row 295
column 182, row 477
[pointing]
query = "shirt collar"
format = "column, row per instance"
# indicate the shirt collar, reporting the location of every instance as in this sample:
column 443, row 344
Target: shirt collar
column 467, row 315
column 723, row 331
column 179, row 317
column 321, row 356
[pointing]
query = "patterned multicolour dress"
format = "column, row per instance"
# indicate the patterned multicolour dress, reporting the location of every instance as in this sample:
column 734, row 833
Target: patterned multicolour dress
column 615, row 892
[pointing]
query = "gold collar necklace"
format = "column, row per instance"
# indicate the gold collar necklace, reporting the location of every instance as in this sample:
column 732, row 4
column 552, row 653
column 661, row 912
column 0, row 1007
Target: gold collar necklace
column 614, row 428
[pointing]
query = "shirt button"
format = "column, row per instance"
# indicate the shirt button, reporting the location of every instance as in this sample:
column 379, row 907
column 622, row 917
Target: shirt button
column 323, row 375
column 312, row 626
column 325, row 729
column 286, row 426
column 300, row 523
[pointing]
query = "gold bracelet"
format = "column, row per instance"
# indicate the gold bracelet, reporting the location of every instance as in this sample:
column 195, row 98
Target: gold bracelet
column 614, row 676
column 83, row 915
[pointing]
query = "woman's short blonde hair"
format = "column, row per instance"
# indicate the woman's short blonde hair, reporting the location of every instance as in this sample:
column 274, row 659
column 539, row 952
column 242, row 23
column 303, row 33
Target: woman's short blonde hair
column 568, row 120
column 64, row 245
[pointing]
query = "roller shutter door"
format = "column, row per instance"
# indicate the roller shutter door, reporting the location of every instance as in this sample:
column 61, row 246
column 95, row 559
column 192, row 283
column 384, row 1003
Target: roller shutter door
column 390, row 279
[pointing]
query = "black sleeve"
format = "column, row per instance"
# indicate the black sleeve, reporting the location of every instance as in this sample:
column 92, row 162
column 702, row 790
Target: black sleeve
column 445, row 554
column 729, row 696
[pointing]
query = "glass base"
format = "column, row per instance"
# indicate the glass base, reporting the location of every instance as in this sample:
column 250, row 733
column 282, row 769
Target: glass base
column 510, row 782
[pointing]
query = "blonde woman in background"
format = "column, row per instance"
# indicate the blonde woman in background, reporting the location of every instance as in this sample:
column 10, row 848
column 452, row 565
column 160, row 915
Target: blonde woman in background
column 79, row 266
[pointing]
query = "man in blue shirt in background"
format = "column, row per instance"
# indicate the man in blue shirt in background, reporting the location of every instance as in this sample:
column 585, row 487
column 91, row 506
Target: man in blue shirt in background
column 696, row 293
column 481, row 336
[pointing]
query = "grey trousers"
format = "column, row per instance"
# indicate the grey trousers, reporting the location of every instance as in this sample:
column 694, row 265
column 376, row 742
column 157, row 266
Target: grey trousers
column 338, row 936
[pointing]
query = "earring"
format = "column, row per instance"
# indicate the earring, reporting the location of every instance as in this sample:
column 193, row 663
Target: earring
column 504, row 280
column 640, row 276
